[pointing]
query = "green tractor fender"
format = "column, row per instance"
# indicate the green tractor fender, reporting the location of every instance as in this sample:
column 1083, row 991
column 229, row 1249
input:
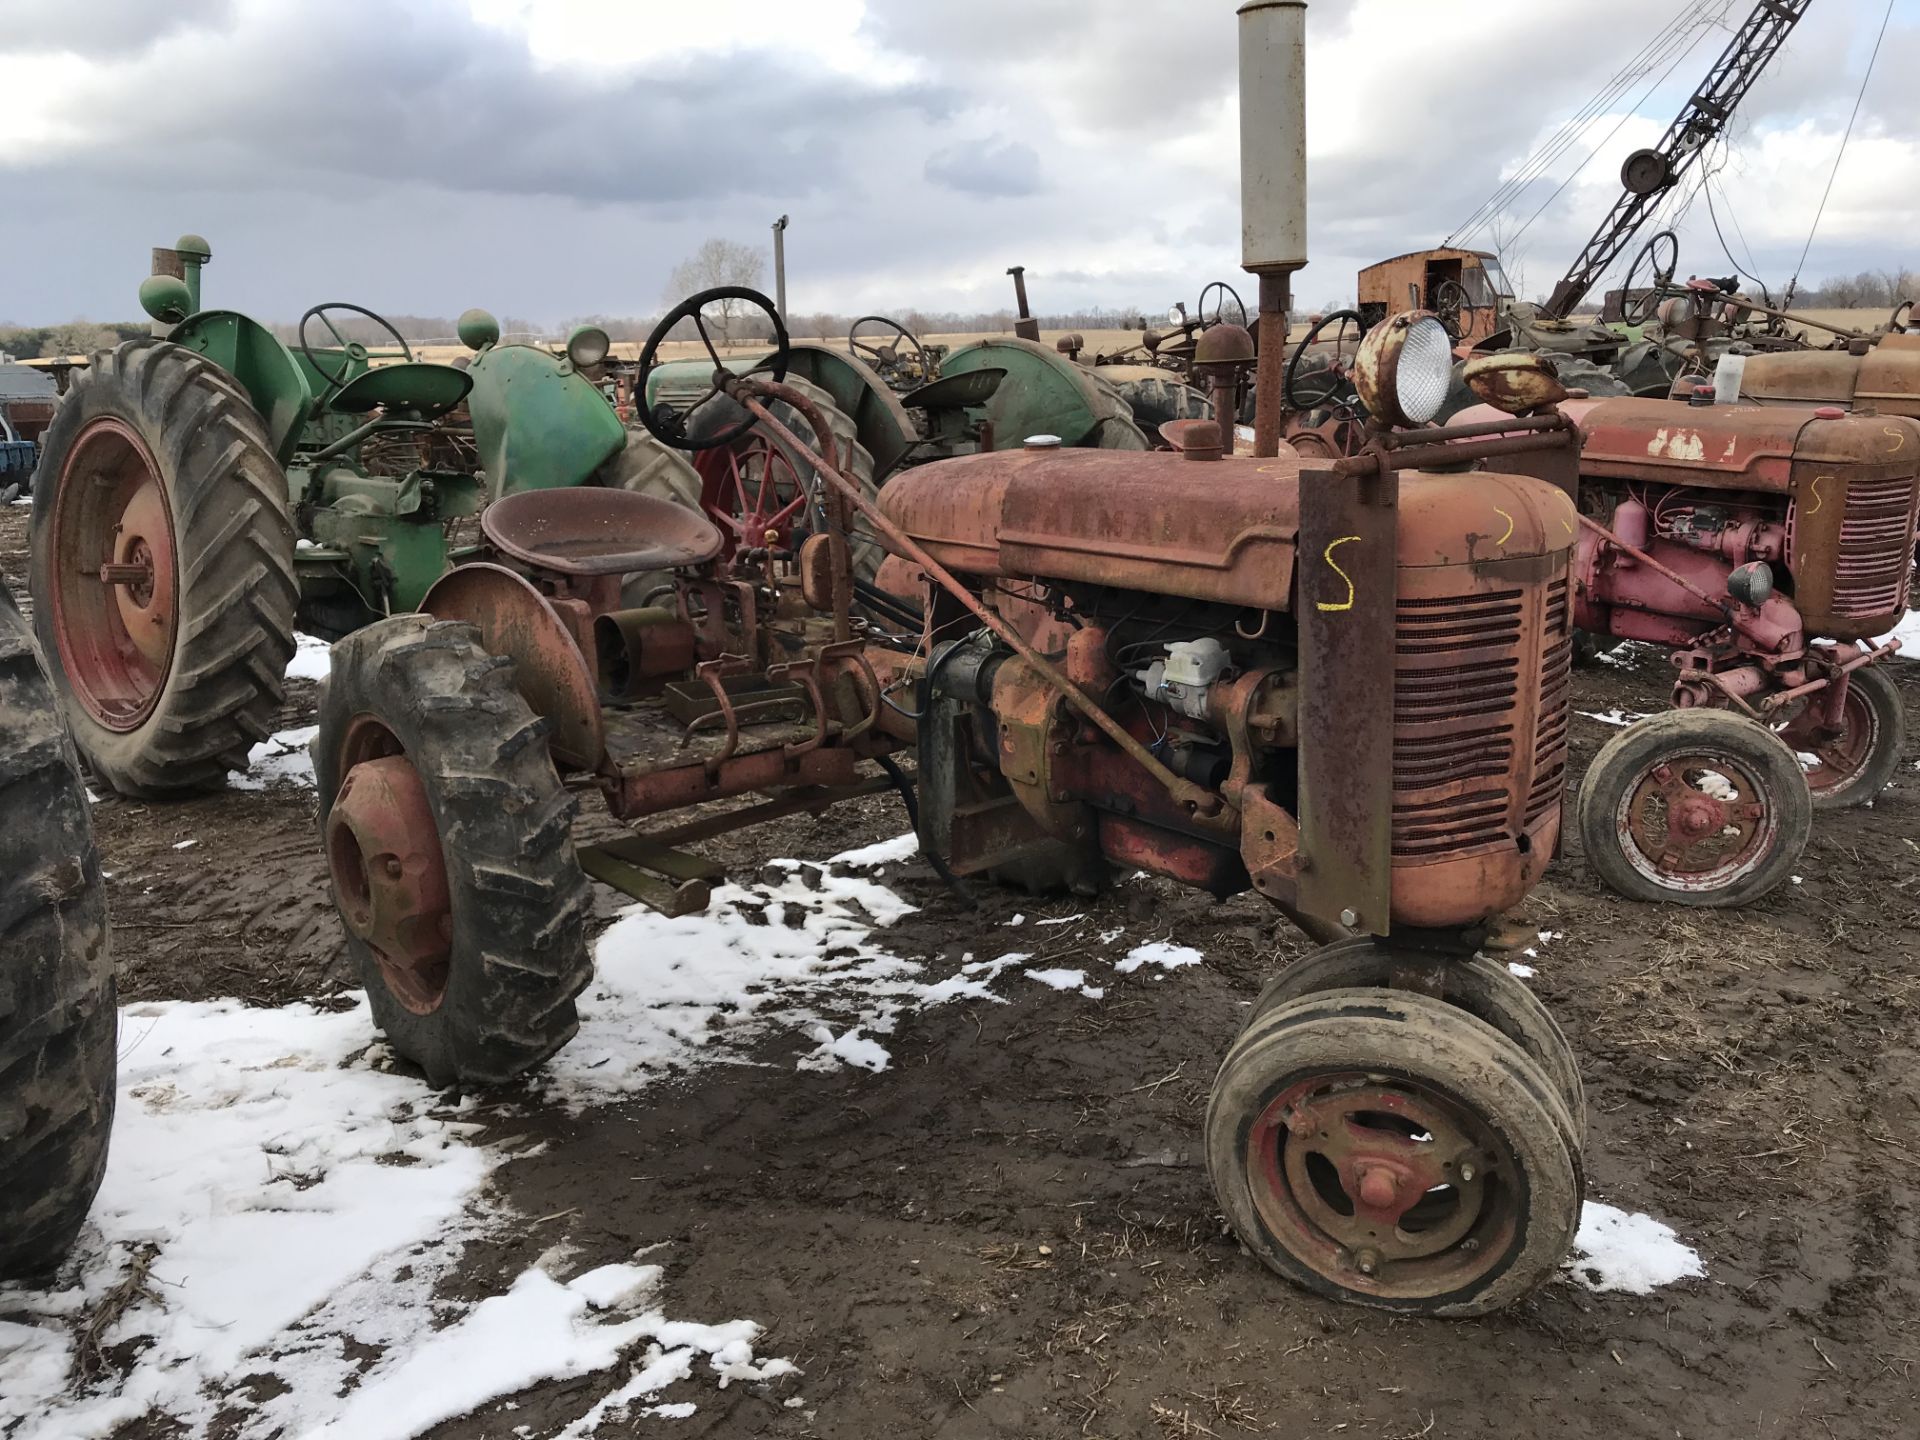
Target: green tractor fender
column 1045, row 393
column 280, row 387
column 538, row 424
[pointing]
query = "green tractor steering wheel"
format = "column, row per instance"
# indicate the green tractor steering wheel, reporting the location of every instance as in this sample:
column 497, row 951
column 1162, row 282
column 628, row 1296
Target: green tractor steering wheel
column 668, row 423
column 356, row 353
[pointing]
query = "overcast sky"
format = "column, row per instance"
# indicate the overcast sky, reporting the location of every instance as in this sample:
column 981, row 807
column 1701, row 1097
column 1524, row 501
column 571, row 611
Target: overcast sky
column 557, row 158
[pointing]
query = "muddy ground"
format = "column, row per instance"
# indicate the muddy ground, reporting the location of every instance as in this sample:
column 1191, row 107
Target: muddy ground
column 1753, row 1080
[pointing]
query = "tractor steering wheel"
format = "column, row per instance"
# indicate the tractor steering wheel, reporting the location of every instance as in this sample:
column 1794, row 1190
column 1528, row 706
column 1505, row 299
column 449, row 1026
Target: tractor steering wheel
column 1638, row 312
column 356, row 353
column 667, row 424
column 887, row 358
column 1898, row 322
column 1200, row 311
column 1290, row 392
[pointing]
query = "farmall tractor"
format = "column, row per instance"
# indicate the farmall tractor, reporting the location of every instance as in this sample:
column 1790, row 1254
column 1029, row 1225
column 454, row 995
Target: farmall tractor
column 1766, row 547
column 204, row 492
column 1343, row 688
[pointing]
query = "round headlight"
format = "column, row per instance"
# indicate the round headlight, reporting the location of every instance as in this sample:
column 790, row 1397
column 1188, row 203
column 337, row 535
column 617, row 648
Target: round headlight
column 587, row 345
column 1404, row 368
column 1176, row 314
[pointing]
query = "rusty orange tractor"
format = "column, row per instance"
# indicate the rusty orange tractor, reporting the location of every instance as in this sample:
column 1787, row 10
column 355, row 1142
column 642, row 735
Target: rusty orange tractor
column 1342, row 688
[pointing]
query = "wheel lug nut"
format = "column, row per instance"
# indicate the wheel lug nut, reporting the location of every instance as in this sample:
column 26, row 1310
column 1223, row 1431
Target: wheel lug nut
column 1467, row 1172
column 1366, row 1260
column 393, row 866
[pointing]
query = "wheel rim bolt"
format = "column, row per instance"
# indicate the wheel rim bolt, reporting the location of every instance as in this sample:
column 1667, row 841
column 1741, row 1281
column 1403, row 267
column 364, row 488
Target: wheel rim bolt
column 1366, row 1260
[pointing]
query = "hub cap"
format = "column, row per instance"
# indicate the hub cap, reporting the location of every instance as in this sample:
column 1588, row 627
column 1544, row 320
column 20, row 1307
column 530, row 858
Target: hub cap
column 1696, row 821
column 1383, row 1184
column 115, row 589
column 390, row 879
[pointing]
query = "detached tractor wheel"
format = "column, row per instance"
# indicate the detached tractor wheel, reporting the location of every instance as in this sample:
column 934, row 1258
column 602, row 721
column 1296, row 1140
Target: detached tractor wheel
column 58, row 1021
column 1699, row 807
column 1853, row 766
column 1388, row 1149
column 449, row 844
column 1482, row 987
column 162, row 569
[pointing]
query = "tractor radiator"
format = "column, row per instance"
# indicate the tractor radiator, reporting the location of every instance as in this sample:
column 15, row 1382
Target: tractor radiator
column 1480, row 717
column 1875, row 561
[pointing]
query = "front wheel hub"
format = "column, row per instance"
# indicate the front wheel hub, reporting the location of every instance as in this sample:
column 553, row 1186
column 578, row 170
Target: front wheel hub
column 390, row 877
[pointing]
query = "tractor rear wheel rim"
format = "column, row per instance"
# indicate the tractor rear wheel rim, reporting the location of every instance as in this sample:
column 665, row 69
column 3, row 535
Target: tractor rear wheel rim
column 1697, row 820
column 1384, row 1184
column 115, row 591
column 390, row 877
column 1833, row 762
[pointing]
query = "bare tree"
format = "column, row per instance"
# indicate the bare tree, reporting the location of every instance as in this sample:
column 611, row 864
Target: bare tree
column 822, row 327
column 716, row 263
column 79, row 337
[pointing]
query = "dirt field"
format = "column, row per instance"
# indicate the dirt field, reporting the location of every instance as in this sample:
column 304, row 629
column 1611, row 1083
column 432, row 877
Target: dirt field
column 1009, row 1232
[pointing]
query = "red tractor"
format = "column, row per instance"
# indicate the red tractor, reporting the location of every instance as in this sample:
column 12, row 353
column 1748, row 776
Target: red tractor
column 1344, row 689
column 1766, row 547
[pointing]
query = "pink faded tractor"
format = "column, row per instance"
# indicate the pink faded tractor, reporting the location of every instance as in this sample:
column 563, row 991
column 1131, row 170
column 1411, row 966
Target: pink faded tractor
column 1766, row 548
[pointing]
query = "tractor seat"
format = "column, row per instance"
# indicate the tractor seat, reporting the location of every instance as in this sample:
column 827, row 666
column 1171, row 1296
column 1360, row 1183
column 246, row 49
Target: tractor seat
column 592, row 531
column 428, row 390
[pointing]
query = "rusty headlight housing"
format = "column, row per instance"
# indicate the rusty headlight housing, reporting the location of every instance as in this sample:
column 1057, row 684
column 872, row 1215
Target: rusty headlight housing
column 587, row 345
column 1404, row 368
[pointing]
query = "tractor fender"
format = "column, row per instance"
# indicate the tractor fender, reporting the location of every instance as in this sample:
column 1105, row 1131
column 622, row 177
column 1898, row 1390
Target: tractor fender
column 269, row 372
column 550, row 669
column 538, row 424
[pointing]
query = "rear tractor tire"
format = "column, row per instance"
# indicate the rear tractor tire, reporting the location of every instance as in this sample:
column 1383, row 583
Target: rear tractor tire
column 1697, row 807
column 58, row 1020
column 162, row 570
column 1387, row 1149
column 449, row 845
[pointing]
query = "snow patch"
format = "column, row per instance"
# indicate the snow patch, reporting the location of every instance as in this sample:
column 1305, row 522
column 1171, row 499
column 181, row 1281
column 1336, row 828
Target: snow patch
column 312, row 658
column 1525, row 972
column 1907, row 632
column 1613, row 717
column 1159, row 952
column 1618, row 1250
column 1067, row 980
column 881, row 852
column 281, row 759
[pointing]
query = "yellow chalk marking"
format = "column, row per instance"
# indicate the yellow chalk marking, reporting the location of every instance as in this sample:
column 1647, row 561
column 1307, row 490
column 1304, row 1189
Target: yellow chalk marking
column 1818, row 498
column 1899, row 438
column 1333, row 565
column 1509, row 519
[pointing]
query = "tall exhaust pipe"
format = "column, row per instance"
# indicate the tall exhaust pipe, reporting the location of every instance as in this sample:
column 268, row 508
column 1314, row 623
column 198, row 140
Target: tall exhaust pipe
column 1273, row 185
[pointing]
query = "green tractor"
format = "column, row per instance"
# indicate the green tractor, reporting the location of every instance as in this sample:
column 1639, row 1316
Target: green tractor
column 205, row 491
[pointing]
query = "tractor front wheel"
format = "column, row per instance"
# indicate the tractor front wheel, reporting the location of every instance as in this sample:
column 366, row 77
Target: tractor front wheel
column 1388, row 1149
column 1855, row 764
column 1700, row 807
column 162, row 571
column 449, row 843
column 1485, row 988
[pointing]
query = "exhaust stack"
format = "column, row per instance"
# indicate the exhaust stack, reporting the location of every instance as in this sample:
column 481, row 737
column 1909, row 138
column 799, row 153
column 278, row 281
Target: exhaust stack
column 1273, row 183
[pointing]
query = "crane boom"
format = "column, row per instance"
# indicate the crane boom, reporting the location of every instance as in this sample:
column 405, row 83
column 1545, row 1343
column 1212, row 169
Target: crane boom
column 1649, row 174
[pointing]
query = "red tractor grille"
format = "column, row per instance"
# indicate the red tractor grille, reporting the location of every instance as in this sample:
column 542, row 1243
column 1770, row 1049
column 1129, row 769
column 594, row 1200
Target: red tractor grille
column 1556, row 685
column 1456, row 684
column 1876, row 547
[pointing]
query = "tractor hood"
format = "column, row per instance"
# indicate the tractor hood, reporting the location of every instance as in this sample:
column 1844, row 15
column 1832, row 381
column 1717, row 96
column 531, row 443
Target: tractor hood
column 1223, row 530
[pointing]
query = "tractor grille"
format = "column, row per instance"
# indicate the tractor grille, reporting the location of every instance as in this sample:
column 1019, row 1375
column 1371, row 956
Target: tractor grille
column 1876, row 548
column 1457, row 676
column 1556, row 684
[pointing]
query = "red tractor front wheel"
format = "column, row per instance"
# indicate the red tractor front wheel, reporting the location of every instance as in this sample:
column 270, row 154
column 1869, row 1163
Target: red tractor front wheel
column 1850, row 765
column 162, row 572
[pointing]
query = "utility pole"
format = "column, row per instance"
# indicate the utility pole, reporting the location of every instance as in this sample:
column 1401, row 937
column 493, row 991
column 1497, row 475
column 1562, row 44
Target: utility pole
column 780, row 267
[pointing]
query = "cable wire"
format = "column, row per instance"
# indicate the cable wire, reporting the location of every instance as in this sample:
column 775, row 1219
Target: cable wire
column 1844, row 138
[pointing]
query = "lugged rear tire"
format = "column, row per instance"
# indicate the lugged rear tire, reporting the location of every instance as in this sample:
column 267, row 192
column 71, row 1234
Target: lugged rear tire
column 58, row 1019
column 174, row 415
column 518, row 899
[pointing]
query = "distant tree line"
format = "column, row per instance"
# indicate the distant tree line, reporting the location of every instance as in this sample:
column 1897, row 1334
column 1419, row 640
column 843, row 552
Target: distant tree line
column 76, row 337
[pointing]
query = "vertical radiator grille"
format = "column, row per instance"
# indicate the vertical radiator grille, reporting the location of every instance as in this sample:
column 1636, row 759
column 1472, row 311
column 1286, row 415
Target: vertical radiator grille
column 1876, row 548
